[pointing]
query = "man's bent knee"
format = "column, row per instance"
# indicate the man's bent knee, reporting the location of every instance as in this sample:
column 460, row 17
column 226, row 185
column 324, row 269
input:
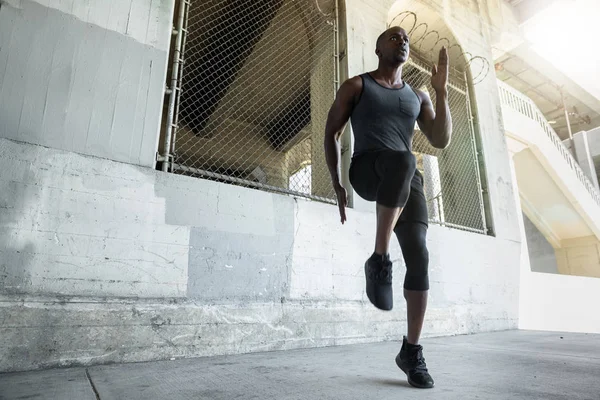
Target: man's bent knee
column 417, row 267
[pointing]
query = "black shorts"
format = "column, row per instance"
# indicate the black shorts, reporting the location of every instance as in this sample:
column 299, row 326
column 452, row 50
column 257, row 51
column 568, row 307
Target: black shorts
column 368, row 170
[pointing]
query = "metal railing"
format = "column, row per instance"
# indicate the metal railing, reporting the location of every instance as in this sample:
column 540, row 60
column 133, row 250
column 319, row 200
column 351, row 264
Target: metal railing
column 525, row 106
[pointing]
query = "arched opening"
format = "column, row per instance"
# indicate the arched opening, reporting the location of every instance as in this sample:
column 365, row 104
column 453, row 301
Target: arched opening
column 453, row 186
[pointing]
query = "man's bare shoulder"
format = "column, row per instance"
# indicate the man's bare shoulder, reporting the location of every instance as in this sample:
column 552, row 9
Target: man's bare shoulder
column 424, row 97
column 354, row 84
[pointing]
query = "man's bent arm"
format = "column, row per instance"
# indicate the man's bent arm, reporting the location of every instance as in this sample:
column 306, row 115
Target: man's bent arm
column 336, row 120
column 441, row 132
column 436, row 125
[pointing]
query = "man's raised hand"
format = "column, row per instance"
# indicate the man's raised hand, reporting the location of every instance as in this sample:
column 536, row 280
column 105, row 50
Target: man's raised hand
column 439, row 73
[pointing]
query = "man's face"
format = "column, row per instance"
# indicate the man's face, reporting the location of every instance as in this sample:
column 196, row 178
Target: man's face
column 393, row 46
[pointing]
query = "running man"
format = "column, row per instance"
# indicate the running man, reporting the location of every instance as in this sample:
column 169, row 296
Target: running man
column 383, row 110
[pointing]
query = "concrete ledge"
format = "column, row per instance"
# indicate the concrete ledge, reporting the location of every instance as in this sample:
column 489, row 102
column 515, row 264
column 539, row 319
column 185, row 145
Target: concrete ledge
column 57, row 332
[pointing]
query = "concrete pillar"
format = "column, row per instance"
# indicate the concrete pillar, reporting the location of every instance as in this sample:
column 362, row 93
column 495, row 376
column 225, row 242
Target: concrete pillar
column 364, row 23
column 322, row 94
column 593, row 138
column 584, row 156
column 526, row 311
column 433, row 188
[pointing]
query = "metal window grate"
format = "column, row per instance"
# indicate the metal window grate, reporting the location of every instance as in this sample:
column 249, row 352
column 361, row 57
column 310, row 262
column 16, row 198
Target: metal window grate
column 251, row 85
column 452, row 181
column 257, row 80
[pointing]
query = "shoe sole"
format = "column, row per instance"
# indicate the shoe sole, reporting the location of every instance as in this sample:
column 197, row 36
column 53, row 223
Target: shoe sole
column 410, row 381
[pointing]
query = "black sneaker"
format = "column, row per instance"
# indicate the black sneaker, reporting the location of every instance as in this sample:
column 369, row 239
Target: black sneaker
column 411, row 361
column 378, row 273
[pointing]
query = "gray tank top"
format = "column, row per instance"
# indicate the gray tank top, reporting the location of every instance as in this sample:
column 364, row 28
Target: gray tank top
column 384, row 118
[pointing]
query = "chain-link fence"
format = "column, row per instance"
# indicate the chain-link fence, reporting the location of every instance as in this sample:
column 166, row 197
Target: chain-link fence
column 257, row 80
column 452, row 181
column 251, row 95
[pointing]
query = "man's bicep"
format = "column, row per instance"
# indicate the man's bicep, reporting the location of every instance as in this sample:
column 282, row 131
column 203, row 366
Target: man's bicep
column 341, row 109
column 426, row 116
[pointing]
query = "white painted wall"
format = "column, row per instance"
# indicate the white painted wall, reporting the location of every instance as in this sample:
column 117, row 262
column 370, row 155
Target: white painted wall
column 107, row 261
column 551, row 301
column 210, row 267
column 559, row 303
column 85, row 76
column 565, row 208
column 541, row 253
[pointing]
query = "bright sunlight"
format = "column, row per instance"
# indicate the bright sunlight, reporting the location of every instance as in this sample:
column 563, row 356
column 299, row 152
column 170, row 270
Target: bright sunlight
column 566, row 34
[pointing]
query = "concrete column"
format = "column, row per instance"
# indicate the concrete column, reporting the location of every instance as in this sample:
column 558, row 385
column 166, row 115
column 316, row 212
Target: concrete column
column 322, row 94
column 525, row 292
column 593, row 138
column 584, row 156
column 364, row 23
column 433, row 188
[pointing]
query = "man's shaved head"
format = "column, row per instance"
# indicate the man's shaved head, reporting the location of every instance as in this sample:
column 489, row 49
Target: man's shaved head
column 385, row 34
column 392, row 46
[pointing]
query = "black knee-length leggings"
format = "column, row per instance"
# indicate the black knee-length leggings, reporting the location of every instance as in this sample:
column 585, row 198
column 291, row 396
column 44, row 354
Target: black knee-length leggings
column 390, row 178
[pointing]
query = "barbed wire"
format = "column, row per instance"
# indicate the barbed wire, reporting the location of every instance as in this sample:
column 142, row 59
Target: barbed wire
column 421, row 35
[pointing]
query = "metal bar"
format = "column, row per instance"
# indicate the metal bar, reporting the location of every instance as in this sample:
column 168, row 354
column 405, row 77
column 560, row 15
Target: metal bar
column 336, row 50
column 477, row 162
column 248, row 183
column 174, row 79
column 568, row 122
column 180, row 78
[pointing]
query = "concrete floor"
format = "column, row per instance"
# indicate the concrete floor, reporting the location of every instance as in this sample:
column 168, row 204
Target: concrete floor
column 503, row 365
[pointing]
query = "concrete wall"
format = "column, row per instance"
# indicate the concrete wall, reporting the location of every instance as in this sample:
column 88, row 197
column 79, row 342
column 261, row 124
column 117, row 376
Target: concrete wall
column 593, row 137
column 85, row 76
column 541, row 253
column 552, row 301
column 579, row 256
column 594, row 145
column 107, row 262
column 558, row 303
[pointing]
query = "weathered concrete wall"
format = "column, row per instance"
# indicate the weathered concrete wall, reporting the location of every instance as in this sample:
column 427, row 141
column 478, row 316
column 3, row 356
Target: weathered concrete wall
column 541, row 253
column 109, row 262
column 82, row 226
column 86, row 76
column 104, row 262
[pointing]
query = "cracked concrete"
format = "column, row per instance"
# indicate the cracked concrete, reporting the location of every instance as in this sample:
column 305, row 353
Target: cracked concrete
column 512, row 365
